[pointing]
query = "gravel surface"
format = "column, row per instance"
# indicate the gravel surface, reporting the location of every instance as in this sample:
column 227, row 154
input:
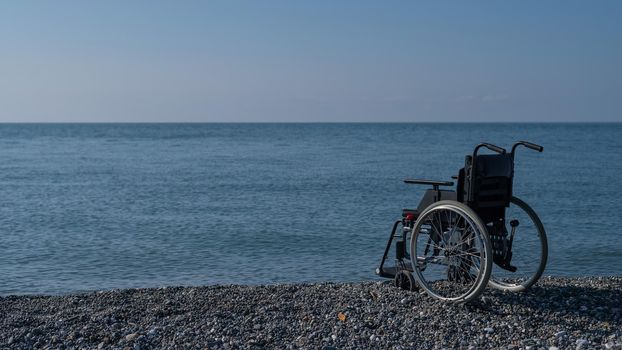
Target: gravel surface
column 556, row 313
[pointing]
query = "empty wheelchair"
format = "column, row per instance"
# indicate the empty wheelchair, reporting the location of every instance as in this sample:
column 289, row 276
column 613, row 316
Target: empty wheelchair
column 476, row 235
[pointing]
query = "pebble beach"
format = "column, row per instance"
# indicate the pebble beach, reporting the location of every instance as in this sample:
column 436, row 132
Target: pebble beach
column 557, row 313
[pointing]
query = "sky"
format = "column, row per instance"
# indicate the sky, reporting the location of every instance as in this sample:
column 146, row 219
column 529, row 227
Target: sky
column 310, row 61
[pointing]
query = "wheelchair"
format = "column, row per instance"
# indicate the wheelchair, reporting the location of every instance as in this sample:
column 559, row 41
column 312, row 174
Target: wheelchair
column 476, row 235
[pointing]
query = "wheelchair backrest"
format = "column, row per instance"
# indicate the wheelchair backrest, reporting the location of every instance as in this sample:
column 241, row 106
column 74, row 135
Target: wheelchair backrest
column 485, row 184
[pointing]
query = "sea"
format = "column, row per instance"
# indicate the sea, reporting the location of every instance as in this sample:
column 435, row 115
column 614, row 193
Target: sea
column 103, row 206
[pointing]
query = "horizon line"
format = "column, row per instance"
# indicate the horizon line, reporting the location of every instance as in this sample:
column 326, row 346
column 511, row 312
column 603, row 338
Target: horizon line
column 310, row 122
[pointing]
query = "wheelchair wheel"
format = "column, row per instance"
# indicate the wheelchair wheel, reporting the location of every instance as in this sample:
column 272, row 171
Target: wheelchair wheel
column 404, row 280
column 529, row 249
column 450, row 252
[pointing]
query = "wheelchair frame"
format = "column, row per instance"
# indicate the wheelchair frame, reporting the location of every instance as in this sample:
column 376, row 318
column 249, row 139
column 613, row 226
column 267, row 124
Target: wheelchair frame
column 482, row 197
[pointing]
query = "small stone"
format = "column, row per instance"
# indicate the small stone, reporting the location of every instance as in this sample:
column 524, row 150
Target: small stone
column 583, row 308
column 538, row 320
column 301, row 341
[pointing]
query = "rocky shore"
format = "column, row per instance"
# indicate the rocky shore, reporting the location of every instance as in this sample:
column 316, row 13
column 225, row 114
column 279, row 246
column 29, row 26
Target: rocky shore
column 556, row 313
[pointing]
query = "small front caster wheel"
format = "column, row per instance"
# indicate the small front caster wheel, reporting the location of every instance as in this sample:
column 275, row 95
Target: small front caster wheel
column 405, row 280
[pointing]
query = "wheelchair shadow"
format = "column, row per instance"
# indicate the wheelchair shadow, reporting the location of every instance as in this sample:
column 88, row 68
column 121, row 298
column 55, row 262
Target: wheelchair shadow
column 599, row 304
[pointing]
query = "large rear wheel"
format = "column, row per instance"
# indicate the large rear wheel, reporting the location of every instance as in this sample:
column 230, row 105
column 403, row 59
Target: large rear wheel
column 529, row 249
column 450, row 252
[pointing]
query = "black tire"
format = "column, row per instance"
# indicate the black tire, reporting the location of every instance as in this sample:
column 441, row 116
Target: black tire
column 529, row 250
column 405, row 280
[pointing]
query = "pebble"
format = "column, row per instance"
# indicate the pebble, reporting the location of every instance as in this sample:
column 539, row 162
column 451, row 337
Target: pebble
column 293, row 316
column 581, row 343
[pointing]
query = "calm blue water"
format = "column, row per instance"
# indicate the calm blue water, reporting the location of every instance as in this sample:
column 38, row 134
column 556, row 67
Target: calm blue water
column 87, row 207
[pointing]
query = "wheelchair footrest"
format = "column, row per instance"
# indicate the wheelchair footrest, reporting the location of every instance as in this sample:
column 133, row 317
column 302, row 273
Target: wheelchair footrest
column 507, row 267
column 390, row 271
column 503, row 261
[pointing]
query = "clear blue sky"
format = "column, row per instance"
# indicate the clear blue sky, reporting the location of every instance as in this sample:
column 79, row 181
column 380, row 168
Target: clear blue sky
column 310, row 61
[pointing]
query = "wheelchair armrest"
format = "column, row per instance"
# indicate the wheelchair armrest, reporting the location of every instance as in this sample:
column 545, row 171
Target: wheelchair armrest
column 429, row 182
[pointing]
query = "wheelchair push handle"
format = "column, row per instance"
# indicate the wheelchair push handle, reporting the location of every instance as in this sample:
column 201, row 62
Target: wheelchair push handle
column 490, row 146
column 530, row 145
